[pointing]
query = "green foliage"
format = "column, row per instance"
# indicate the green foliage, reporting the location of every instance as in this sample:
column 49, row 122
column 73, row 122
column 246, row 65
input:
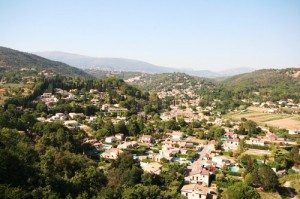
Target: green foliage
column 247, row 162
column 140, row 192
column 248, row 127
column 41, row 107
column 125, row 171
column 294, row 155
column 172, row 124
column 8, row 192
column 240, row 191
column 46, row 160
column 215, row 133
column 272, row 84
column 264, row 177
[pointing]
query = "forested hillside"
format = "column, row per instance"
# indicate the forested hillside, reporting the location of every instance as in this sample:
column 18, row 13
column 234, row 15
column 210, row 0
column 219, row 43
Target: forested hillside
column 271, row 84
column 16, row 60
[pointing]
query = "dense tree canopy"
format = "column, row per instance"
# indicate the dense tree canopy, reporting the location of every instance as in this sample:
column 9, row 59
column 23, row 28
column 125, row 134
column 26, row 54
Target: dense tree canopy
column 240, row 191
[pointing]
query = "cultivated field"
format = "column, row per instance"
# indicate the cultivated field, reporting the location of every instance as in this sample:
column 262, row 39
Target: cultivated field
column 260, row 116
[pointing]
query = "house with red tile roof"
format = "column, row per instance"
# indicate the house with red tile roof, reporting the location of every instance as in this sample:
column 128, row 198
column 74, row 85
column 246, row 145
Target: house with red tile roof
column 198, row 175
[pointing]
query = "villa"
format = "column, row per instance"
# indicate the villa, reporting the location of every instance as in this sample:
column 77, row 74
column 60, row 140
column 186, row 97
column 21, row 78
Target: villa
column 195, row 191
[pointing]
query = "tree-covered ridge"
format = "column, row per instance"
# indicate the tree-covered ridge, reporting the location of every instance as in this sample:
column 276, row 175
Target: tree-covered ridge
column 169, row 81
column 15, row 60
column 116, row 91
column 183, row 86
column 268, row 84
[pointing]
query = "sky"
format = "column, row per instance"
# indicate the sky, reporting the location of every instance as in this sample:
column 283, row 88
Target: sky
column 195, row 34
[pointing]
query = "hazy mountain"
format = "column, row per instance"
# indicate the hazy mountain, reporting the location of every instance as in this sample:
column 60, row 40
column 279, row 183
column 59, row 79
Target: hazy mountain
column 13, row 60
column 129, row 65
column 236, row 71
column 111, row 64
column 201, row 73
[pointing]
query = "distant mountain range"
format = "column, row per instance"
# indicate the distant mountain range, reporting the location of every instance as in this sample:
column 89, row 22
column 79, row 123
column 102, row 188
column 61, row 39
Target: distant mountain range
column 130, row 65
column 14, row 60
column 111, row 64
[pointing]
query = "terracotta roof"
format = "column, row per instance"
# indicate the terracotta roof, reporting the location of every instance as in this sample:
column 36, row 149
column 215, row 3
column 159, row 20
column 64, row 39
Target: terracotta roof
column 197, row 169
column 195, row 188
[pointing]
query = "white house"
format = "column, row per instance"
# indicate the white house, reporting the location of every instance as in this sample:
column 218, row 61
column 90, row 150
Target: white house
column 195, row 191
column 255, row 141
column 146, row 139
column 110, row 139
column 119, row 136
column 199, row 175
column 231, row 144
column 76, row 115
column 128, row 145
column 58, row 116
column 177, row 135
column 167, row 153
column 294, row 132
column 71, row 124
column 220, row 161
column 112, row 153
column 93, row 91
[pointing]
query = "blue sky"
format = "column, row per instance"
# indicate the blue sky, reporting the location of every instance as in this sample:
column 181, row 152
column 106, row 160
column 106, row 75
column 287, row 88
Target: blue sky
column 196, row 34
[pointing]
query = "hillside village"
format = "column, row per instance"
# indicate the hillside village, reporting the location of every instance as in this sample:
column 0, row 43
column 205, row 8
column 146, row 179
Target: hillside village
column 206, row 158
column 181, row 137
column 150, row 99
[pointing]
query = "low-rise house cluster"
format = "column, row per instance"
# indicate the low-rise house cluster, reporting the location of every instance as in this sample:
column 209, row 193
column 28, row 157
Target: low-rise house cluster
column 268, row 138
column 198, row 176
